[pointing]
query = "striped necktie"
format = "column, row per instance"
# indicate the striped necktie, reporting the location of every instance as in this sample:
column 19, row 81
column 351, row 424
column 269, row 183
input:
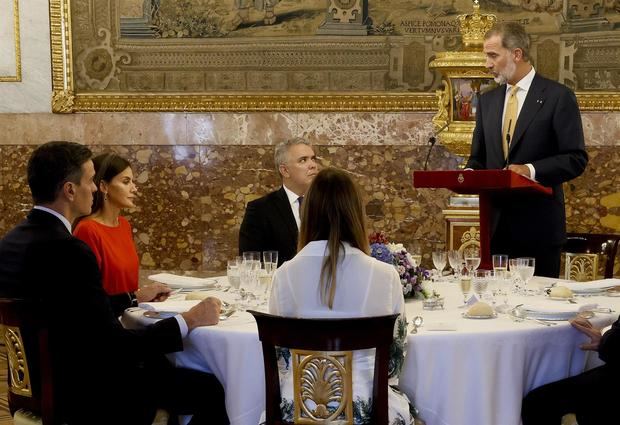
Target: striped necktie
column 510, row 120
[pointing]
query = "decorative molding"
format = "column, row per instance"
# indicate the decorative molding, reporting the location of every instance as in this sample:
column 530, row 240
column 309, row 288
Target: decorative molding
column 18, row 56
column 297, row 92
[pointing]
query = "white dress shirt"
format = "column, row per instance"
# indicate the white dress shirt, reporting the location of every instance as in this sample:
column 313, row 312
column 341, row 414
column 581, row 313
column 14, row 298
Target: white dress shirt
column 293, row 200
column 524, row 86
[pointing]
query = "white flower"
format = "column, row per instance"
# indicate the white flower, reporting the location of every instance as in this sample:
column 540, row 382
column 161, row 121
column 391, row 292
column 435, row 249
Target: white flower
column 395, row 247
column 400, row 269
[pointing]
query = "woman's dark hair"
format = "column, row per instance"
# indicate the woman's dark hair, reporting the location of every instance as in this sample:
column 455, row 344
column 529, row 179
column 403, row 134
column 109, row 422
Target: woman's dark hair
column 333, row 210
column 107, row 166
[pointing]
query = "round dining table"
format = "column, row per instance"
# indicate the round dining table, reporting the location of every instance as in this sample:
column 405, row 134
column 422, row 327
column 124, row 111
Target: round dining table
column 457, row 371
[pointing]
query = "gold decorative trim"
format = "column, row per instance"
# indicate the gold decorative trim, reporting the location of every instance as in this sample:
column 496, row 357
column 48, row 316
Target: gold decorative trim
column 324, row 379
column 63, row 82
column 598, row 101
column 226, row 102
column 18, row 364
column 18, row 56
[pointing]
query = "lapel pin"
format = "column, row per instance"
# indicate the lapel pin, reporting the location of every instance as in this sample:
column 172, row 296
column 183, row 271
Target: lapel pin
column 540, row 101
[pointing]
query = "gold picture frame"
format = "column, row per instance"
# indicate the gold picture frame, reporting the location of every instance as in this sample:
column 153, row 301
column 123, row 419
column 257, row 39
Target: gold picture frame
column 18, row 60
column 70, row 96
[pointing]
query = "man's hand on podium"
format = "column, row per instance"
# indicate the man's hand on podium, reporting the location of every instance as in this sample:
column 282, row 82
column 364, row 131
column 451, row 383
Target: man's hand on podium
column 524, row 170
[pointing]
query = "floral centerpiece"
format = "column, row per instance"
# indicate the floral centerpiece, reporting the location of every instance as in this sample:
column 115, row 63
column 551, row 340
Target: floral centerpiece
column 411, row 274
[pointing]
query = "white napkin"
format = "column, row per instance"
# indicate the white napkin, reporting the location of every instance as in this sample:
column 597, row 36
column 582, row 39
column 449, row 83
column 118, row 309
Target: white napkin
column 175, row 281
column 550, row 307
column 595, row 285
column 177, row 306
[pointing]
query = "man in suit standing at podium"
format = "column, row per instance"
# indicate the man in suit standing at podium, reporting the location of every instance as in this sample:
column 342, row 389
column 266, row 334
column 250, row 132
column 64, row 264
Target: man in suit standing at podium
column 271, row 223
column 532, row 126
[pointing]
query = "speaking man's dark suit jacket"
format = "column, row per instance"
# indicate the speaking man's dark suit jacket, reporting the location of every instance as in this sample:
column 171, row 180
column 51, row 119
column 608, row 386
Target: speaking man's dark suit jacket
column 269, row 225
column 549, row 135
column 104, row 378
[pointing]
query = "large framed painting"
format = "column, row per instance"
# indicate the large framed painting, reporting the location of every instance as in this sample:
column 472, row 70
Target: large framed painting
column 10, row 56
column 305, row 55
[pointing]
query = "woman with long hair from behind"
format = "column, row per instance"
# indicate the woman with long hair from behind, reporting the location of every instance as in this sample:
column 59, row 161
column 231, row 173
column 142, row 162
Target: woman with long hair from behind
column 109, row 234
column 333, row 275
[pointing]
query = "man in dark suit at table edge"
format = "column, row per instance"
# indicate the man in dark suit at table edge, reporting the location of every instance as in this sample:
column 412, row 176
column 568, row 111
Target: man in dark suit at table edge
column 271, row 223
column 110, row 375
column 534, row 130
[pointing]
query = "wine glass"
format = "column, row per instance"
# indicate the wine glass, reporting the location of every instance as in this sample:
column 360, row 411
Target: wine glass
column 480, row 282
column 439, row 261
column 504, row 281
column 525, row 269
column 455, row 258
column 472, row 260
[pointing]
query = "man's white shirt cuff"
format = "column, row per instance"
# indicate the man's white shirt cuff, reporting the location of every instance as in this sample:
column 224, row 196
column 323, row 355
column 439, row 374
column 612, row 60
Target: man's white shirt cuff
column 182, row 325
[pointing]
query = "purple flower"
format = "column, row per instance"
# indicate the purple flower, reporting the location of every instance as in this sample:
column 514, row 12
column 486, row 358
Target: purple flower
column 381, row 252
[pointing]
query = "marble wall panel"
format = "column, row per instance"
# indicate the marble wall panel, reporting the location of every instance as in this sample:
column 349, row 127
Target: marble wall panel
column 192, row 198
column 135, row 129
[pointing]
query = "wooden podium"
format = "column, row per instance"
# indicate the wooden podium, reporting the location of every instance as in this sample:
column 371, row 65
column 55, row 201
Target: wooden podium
column 483, row 183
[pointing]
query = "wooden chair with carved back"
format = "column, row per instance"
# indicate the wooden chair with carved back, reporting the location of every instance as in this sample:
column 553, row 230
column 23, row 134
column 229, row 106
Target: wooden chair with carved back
column 30, row 377
column 324, row 346
column 589, row 256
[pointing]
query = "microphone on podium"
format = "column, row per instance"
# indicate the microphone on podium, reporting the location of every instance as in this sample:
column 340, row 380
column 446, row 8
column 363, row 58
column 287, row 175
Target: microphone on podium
column 432, row 140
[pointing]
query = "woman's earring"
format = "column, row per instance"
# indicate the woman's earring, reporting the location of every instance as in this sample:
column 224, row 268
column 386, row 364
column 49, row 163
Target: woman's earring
column 105, row 196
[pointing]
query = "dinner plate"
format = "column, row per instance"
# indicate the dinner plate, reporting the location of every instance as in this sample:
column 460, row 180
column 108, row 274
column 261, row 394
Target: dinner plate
column 560, row 315
column 613, row 292
column 484, row 316
column 549, row 297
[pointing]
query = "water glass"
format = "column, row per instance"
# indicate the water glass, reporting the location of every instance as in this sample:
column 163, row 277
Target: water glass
column 232, row 272
column 525, row 269
column 480, row 282
column 500, row 262
column 472, row 261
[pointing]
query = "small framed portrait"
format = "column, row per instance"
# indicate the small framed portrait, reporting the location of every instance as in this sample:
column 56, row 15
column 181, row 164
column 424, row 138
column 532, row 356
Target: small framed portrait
column 466, row 94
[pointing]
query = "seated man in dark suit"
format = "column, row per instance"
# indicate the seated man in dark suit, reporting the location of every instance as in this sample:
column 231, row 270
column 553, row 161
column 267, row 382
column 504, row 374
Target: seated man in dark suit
column 110, row 375
column 591, row 396
column 271, row 223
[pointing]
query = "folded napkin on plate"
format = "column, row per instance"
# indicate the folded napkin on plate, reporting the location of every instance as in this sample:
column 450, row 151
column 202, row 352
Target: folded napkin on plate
column 177, row 306
column 175, row 281
column 592, row 286
column 551, row 307
column 548, row 281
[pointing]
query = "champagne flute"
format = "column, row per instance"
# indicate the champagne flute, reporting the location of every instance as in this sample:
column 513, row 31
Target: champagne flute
column 232, row 272
column 465, row 287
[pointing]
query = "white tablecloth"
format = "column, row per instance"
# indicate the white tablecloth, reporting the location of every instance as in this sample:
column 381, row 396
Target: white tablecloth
column 476, row 375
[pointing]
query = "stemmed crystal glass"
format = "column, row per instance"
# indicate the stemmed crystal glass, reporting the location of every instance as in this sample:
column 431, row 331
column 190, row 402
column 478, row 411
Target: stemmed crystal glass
column 525, row 269
column 480, row 282
column 439, row 261
column 455, row 258
column 465, row 287
column 500, row 262
column 472, row 260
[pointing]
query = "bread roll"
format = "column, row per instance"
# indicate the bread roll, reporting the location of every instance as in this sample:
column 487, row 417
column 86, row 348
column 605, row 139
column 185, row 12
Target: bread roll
column 480, row 309
column 560, row 292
